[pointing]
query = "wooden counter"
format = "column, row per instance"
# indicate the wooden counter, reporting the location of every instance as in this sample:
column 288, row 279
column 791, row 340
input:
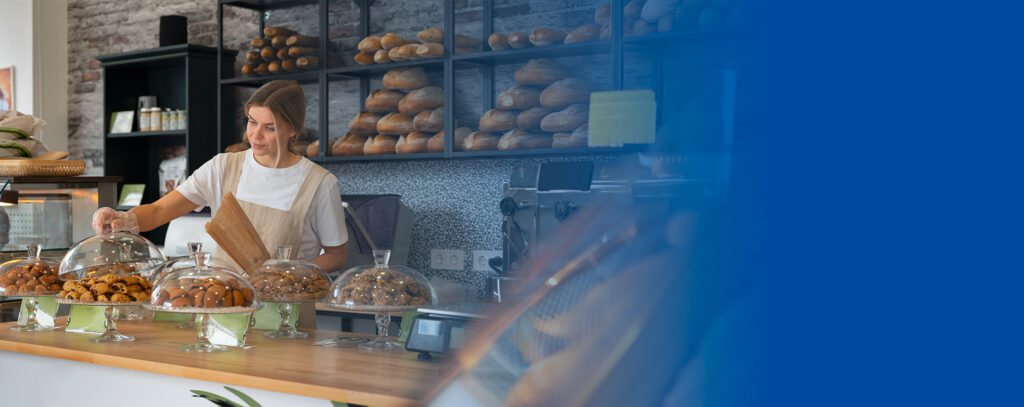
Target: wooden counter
column 286, row 366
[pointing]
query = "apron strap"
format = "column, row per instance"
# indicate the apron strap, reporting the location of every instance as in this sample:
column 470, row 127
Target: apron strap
column 308, row 189
column 233, row 171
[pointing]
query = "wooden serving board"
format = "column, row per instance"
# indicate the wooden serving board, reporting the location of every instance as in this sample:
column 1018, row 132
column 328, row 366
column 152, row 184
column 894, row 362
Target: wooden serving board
column 235, row 234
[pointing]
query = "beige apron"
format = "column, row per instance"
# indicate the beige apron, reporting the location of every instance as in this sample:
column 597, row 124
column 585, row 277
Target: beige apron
column 276, row 227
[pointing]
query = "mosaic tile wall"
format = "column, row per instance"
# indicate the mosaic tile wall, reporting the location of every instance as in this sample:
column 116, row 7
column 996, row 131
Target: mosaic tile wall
column 455, row 202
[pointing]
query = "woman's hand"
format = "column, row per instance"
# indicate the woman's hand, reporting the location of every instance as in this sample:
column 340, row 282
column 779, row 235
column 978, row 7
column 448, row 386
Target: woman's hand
column 106, row 220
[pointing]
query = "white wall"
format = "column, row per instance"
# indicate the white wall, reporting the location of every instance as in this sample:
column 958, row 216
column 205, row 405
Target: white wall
column 35, row 35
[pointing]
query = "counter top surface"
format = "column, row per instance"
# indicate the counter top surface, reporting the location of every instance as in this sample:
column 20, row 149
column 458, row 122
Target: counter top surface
column 287, row 366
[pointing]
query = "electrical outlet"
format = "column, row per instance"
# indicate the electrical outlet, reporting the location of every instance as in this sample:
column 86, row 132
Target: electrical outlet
column 481, row 258
column 447, row 259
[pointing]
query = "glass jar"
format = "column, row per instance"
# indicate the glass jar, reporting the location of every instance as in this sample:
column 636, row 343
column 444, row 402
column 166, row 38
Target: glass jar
column 154, row 119
column 144, row 119
column 165, row 119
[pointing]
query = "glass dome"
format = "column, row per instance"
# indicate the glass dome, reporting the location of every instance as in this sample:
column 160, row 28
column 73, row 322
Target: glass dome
column 286, row 282
column 203, row 289
column 32, row 275
column 380, row 287
column 118, row 253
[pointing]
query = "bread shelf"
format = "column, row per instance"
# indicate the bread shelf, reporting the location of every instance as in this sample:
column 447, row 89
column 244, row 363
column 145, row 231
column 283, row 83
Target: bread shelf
column 263, row 5
column 257, row 81
column 512, row 56
column 547, row 151
column 362, row 71
column 383, row 157
column 162, row 133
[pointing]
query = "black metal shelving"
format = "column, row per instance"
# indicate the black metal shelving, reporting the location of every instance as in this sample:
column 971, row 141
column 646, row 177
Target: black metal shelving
column 162, row 133
column 614, row 47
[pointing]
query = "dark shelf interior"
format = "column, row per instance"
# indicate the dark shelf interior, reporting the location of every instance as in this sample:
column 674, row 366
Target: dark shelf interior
column 306, row 77
column 382, row 157
column 365, row 71
column 511, row 56
column 262, row 5
column 162, row 133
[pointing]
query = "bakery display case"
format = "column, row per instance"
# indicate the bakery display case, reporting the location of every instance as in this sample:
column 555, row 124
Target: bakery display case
column 30, row 277
column 106, row 270
column 287, row 282
column 382, row 289
column 203, row 289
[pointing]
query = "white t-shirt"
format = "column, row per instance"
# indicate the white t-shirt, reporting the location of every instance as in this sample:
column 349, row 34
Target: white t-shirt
column 275, row 188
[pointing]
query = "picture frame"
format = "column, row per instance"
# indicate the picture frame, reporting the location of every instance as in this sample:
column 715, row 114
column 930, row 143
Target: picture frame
column 7, row 88
column 121, row 122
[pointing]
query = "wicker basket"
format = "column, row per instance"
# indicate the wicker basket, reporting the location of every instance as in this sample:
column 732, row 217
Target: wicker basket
column 51, row 168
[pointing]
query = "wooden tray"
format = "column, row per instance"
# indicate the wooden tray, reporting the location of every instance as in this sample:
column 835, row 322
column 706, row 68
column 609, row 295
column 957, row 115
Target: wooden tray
column 51, row 168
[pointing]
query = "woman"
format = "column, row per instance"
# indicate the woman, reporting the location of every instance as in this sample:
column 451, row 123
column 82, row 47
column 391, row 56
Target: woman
column 296, row 202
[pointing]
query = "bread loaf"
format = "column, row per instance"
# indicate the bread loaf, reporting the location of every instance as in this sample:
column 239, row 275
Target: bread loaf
column 381, row 56
column 578, row 138
column 279, row 41
column 464, row 50
column 654, row 9
column 261, row 69
column 351, row 144
column 271, row 32
column 391, row 40
column 234, row 148
column 498, row 41
column 606, row 32
column 408, row 51
column 519, row 40
column 302, row 41
column 380, row 144
column 530, row 118
column 247, row 69
column 518, row 139
column 307, row 62
column 282, row 53
column 464, row 41
column 298, row 146
column 253, row 56
column 584, row 33
column 394, row 56
column 429, row 121
column 268, row 54
column 395, row 124
column 289, row 65
column 565, row 92
column 430, row 35
column 412, row 143
column 363, row 58
column 421, row 99
column 369, row 44
column 430, row 50
column 567, row 119
column 405, row 78
column 519, row 97
column 603, row 14
column 480, row 141
column 642, row 27
column 259, row 43
column 497, row 120
column 383, row 100
column 540, row 71
column 313, row 149
column 296, row 52
column 274, row 67
column 560, row 140
column 436, row 143
column 544, row 36
column 631, row 11
column 364, row 124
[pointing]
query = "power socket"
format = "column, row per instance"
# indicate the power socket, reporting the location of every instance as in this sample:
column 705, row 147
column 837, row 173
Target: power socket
column 447, row 259
column 481, row 257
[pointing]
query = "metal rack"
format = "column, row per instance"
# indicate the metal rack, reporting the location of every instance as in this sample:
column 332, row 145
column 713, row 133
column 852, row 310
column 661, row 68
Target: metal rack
column 484, row 60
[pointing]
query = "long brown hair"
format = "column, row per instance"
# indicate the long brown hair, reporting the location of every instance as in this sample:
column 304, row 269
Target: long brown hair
column 285, row 100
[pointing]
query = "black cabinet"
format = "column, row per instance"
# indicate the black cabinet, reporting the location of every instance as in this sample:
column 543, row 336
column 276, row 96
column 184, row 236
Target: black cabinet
column 181, row 77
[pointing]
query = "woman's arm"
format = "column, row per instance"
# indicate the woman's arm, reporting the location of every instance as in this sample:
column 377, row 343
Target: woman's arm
column 170, row 207
column 334, row 258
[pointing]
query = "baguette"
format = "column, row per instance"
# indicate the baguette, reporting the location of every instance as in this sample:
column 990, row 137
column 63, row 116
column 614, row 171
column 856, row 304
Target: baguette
column 313, row 149
column 603, row 14
column 530, row 118
column 380, row 144
column 370, row 44
column 408, row 52
column 381, row 57
column 248, row 69
column 363, row 58
column 431, row 50
column 268, row 54
column 497, row 120
column 298, row 40
column 584, row 33
column 519, row 97
column 261, row 69
column 518, row 139
column 405, row 78
column 430, row 121
column 364, row 124
column 394, row 56
column 565, row 92
column 307, row 62
column 544, row 36
column 567, row 119
column 606, row 31
column 519, row 40
column 412, row 143
column 480, row 141
column 302, row 51
column 383, row 101
column 395, row 124
column 540, row 71
column 259, row 43
column 289, row 65
column 430, row 35
column 351, row 144
column 253, row 56
column 391, row 40
column 279, row 42
column 421, row 99
column 436, row 143
column 498, row 41
column 580, row 136
column 631, row 11
column 271, row 32
column 282, row 53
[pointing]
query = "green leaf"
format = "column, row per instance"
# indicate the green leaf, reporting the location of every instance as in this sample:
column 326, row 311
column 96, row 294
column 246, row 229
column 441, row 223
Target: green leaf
column 338, row 404
column 245, row 397
column 215, row 399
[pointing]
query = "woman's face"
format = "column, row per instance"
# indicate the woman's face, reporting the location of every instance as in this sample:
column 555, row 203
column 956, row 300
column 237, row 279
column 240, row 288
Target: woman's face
column 266, row 139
